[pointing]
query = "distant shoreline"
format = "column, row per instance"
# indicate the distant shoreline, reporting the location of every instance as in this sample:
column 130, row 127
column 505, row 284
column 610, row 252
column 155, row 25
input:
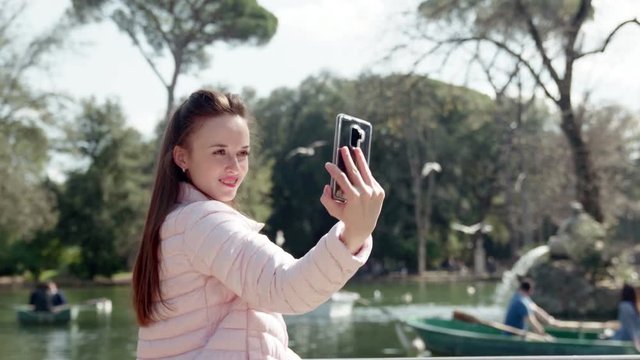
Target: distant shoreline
column 19, row 281
column 124, row 280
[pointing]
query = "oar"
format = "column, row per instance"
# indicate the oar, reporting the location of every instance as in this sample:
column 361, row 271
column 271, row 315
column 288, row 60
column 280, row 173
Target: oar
column 462, row 316
column 585, row 325
column 412, row 347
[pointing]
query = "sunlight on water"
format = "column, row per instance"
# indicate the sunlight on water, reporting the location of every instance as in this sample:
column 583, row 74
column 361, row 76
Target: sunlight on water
column 375, row 315
column 370, row 331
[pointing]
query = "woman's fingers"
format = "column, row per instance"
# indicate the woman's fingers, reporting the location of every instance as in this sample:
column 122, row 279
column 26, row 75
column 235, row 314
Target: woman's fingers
column 367, row 177
column 365, row 172
column 363, row 194
column 355, row 183
column 351, row 169
column 333, row 207
column 341, row 178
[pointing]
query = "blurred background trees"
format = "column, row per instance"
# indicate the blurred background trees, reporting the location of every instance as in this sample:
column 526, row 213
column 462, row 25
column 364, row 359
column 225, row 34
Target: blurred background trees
column 103, row 204
column 27, row 204
column 181, row 30
column 509, row 162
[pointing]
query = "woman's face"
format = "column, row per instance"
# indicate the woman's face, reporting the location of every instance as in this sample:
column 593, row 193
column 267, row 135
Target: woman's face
column 217, row 156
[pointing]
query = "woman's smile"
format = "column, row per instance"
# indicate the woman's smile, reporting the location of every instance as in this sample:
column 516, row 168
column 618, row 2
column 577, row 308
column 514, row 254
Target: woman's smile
column 229, row 181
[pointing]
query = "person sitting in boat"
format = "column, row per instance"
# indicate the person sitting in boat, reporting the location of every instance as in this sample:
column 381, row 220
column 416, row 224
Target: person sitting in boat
column 523, row 313
column 628, row 316
column 57, row 298
column 41, row 298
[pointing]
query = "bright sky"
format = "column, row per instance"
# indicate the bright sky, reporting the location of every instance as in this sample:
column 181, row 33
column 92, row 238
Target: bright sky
column 344, row 37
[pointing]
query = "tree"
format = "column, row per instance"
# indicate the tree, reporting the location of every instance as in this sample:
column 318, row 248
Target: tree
column 42, row 251
column 530, row 33
column 183, row 29
column 286, row 120
column 27, row 207
column 103, row 206
column 614, row 135
column 517, row 159
column 423, row 121
column 397, row 105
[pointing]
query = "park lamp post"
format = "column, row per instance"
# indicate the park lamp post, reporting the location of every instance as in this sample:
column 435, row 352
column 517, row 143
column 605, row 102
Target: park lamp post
column 427, row 169
column 479, row 254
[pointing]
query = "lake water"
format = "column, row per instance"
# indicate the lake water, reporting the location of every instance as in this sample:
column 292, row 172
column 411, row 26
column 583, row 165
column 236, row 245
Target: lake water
column 369, row 332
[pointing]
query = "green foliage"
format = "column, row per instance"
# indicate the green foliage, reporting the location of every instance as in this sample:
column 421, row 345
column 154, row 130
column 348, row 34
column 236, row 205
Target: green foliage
column 193, row 23
column 102, row 207
column 419, row 120
column 39, row 253
column 286, row 120
column 416, row 120
column 540, row 42
column 405, row 110
column 506, row 167
column 27, row 207
column 614, row 137
column 71, row 257
column 587, row 245
column 184, row 30
column 254, row 196
column 496, row 17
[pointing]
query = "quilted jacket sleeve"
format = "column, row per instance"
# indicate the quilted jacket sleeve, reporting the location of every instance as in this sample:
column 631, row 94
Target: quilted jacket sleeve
column 263, row 274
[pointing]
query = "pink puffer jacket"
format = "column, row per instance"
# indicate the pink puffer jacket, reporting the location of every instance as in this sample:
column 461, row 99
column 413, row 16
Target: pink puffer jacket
column 226, row 285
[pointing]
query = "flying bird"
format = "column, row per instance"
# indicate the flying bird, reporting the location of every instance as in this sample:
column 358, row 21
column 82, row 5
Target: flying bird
column 309, row 150
column 472, row 229
column 280, row 238
column 428, row 167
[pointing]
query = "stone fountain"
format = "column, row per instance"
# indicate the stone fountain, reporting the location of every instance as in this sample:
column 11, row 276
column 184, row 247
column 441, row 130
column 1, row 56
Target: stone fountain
column 572, row 272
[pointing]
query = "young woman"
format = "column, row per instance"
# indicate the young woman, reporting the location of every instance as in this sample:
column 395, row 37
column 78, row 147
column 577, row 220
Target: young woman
column 206, row 283
column 628, row 317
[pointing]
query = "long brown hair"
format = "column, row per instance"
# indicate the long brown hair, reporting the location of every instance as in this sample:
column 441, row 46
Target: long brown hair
column 629, row 294
column 200, row 105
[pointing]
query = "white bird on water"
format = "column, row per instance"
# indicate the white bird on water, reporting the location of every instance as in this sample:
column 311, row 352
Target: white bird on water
column 407, row 298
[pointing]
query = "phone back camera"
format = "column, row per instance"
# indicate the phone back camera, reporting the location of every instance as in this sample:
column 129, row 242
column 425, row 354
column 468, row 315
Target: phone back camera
column 357, row 136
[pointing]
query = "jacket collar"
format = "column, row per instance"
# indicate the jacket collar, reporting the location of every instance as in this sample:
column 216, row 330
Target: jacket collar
column 190, row 194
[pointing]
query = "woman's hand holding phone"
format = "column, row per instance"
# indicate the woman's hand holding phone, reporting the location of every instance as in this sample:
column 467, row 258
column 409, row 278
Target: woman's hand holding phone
column 364, row 198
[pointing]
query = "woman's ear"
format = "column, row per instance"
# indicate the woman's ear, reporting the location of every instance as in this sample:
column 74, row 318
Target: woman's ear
column 180, row 157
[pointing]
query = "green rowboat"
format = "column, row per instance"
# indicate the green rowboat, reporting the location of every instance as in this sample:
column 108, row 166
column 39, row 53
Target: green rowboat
column 457, row 338
column 26, row 316
column 64, row 314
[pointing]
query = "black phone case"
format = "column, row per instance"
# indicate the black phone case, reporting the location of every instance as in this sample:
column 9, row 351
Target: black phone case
column 347, row 133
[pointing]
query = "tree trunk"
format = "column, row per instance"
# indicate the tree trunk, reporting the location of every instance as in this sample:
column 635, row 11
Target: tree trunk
column 420, row 228
column 587, row 184
column 170, row 102
column 431, row 185
column 171, row 89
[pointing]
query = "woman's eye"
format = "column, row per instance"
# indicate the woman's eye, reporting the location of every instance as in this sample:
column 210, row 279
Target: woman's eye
column 219, row 152
column 243, row 153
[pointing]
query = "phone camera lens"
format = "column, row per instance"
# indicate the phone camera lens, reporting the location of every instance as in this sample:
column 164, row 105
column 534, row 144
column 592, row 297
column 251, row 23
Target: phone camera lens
column 357, row 136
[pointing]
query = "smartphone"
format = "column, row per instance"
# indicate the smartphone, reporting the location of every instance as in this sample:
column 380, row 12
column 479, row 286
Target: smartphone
column 353, row 133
